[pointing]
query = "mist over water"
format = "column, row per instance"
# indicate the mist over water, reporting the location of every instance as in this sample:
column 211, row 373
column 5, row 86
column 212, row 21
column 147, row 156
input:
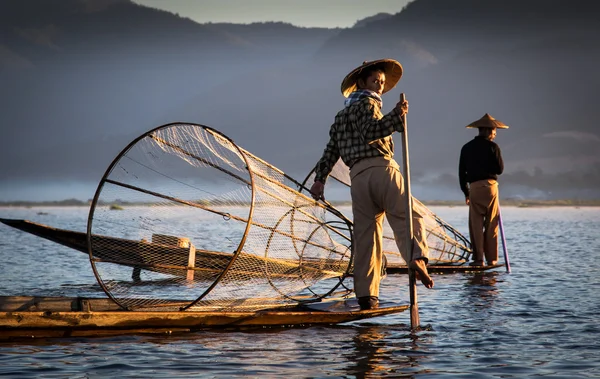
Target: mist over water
column 540, row 320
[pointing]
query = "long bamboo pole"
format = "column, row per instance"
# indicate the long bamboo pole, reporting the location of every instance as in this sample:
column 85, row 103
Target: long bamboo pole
column 506, row 260
column 414, row 305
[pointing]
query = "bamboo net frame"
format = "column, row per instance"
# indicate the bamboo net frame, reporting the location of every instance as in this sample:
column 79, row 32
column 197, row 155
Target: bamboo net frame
column 185, row 219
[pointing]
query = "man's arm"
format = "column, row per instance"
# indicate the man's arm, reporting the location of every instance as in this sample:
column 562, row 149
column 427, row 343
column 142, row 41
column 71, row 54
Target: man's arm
column 462, row 175
column 499, row 161
column 373, row 125
column 329, row 158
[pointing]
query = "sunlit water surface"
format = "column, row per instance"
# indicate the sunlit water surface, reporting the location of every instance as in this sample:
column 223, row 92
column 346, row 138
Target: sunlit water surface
column 541, row 320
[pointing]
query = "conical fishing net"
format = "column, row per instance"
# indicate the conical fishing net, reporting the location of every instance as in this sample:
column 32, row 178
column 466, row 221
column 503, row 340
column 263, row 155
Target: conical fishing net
column 446, row 244
column 186, row 219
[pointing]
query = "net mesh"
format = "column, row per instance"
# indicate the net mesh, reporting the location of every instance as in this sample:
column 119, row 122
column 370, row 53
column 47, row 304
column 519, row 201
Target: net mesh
column 446, row 244
column 185, row 219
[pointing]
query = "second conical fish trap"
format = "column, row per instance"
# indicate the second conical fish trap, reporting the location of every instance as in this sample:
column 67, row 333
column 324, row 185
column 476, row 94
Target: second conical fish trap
column 184, row 218
column 446, row 245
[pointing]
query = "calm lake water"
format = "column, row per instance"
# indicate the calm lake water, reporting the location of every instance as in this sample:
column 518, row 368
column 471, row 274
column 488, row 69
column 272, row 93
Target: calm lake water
column 541, row 320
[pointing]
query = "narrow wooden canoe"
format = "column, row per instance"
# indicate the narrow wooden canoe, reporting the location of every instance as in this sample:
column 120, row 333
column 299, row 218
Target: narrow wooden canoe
column 42, row 317
column 169, row 259
column 443, row 269
column 113, row 246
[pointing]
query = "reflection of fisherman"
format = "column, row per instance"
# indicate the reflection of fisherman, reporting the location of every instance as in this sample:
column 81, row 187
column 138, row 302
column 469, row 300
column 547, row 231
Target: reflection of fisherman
column 370, row 357
column 481, row 289
column 362, row 137
column 478, row 169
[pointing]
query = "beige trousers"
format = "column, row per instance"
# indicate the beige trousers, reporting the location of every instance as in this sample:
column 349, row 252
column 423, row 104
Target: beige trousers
column 483, row 219
column 377, row 190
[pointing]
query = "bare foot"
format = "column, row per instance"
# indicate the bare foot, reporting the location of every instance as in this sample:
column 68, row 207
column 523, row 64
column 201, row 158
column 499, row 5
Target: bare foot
column 421, row 272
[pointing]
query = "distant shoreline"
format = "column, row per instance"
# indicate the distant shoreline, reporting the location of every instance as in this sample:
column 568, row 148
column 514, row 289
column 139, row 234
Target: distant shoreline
column 521, row 203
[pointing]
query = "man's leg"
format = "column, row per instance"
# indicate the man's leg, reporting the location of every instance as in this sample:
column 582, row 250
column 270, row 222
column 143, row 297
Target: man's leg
column 479, row 201
column 491, row 226
column 395, row 207
column 368, row 235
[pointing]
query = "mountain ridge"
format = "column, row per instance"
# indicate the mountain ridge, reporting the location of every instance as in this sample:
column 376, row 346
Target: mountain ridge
column 68, row 83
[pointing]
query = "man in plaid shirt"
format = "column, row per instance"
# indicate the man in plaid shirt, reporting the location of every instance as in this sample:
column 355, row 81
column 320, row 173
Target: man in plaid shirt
column 362, row 137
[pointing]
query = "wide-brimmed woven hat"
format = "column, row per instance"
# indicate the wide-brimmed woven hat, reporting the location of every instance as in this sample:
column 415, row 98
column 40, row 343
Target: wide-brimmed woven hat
column 391, row 68
column 487, row 121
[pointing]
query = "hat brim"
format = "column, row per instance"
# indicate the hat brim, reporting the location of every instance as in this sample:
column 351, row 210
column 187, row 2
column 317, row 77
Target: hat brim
column 490, row 124
column 391, row 68
column 487, row 121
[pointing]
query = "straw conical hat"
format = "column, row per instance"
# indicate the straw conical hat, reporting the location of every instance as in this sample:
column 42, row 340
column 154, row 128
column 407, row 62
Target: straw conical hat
column 487, row 121
column 391, row 68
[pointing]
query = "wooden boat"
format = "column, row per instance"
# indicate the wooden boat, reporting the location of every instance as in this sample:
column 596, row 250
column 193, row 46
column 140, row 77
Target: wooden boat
column 286, row 254
column 26, row 317
column 77, row 241
column 440, row 268
column 147, row 255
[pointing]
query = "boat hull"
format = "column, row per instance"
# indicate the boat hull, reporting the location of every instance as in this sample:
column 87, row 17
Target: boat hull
column 45, row 317
column 77, row 241
column 174, row 260
column 443, row 269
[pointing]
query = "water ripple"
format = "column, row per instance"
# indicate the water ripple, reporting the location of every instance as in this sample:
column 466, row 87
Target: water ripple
column 538, row 321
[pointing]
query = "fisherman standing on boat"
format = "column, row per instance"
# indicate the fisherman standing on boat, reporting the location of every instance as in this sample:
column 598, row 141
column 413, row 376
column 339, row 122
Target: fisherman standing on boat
column 478, row 169
column 362, row 137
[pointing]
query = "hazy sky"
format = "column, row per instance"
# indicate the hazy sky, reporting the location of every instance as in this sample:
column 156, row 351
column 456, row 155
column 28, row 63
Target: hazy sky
column 308, row 13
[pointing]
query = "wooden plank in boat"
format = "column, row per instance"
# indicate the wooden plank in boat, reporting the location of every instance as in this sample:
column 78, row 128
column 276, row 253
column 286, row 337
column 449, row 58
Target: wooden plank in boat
column 55, row 304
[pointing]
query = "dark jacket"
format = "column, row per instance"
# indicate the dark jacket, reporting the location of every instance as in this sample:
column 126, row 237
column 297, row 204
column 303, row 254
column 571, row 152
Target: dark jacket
column 480, row 159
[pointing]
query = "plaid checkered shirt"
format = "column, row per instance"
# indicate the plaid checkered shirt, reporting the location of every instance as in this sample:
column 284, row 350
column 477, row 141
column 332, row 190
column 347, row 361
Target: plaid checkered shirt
column 359, row 131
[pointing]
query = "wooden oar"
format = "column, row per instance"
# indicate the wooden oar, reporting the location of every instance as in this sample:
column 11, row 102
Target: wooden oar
column 506, row 260
column 412, row 281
